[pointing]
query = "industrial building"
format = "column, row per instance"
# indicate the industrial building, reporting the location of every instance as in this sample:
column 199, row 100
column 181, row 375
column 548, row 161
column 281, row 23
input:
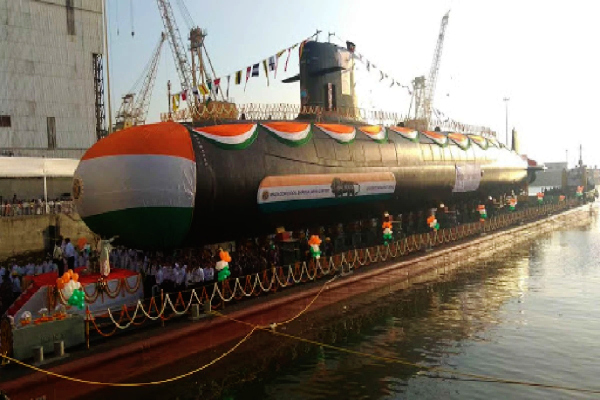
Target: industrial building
column 51, row 77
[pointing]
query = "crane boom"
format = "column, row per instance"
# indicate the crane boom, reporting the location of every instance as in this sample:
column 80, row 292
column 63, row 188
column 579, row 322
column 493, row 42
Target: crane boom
column 134, row 108
column 179, row 54
column 143, row 99
column 427, row 103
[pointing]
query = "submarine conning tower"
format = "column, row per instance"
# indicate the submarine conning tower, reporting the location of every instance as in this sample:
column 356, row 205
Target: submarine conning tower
column 327, row 83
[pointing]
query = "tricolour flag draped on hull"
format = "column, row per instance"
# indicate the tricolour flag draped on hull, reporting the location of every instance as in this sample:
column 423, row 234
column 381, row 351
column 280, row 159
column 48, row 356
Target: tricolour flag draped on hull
column 406, row 133
column 290, row 133
column 144, row 158
column 234, row 136
column 341, row 133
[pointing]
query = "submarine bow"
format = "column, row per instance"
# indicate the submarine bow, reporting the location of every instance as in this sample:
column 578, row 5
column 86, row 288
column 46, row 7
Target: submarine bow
column 139, row 184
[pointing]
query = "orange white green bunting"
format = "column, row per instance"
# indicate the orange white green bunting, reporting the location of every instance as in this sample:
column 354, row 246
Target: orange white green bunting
column 406, row 133
column 341, row 133
column 232, row 136
column 480, row 141
column 493, row 141
column 461, row 140
column 375, row 132
column 290, row 133
column 438, row 138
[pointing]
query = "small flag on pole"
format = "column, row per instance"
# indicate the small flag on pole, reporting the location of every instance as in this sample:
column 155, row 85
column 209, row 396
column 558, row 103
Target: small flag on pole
column 238, row 77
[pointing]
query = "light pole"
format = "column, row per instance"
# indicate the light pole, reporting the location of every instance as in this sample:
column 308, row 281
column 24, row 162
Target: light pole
column 506, row 99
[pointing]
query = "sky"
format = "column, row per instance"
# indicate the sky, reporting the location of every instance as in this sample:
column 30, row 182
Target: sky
column 542, row 55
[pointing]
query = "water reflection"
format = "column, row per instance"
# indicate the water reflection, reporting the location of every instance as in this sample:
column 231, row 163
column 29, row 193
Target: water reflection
column 529, row 315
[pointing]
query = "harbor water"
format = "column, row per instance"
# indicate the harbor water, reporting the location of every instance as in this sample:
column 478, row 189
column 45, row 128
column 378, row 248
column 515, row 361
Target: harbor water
column 528, row 315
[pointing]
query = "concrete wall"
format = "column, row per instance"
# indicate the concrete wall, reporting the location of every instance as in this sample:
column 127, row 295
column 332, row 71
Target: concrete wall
column 46, row 70
column 28, row 234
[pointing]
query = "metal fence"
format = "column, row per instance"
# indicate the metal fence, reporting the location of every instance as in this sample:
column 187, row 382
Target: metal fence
column 285, row 111
column 36, row 208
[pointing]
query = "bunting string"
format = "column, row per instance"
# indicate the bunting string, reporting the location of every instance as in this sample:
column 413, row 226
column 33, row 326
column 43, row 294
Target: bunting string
column 269, row 64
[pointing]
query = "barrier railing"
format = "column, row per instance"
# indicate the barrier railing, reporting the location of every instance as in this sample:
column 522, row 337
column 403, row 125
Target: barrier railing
column 163, row 307
column 285, row 111
column 36, row 208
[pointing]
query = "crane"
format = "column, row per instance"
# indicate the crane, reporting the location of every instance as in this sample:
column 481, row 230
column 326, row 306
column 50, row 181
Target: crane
column 187, row 73
column 424, row 90
column 134, row 107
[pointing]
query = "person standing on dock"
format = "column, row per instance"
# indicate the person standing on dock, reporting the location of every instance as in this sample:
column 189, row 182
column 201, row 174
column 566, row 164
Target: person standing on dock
column 70, row 254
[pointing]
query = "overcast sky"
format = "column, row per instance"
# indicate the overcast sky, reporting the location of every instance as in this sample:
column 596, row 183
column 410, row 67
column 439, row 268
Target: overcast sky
column 543, row 55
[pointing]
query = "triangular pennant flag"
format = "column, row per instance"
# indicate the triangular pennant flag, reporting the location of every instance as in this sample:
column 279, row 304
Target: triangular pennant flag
column 266, row 70
column 277, row 62
column 368, row 65
column 287, row 59
column 228, row 79
column 301, row 48
column 175, row 102
column 217, row 85
column 393, row 82
column 238, row 77
column 203, row 89
column 248, row 72
column 272, row 63
column 255, row 70
column 380, row 79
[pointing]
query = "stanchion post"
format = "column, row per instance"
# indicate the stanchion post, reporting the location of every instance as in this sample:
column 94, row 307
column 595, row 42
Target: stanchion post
column 87, row 326
column 162, row 307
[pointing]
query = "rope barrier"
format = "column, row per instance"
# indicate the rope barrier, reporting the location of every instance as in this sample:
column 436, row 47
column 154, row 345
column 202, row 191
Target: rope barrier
column 178, row 377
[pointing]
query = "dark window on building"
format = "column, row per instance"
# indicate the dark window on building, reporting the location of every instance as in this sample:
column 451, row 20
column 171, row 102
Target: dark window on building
column 5, row 121
column 51, row 129
column 70, row 18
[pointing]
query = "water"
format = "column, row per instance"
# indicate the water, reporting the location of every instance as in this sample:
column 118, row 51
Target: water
column 531, row 315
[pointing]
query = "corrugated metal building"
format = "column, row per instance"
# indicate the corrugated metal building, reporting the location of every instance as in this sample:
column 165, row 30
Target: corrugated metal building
column 48, row 50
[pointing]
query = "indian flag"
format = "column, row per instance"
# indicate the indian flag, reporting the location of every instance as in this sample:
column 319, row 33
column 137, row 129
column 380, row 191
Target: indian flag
column 341, row 133
column 438, row 138
column 290, row 133
column 406, row 133
column 231, row 136
column 139, row 184
column 375, row 132
column 479, row 141
column 461, row 140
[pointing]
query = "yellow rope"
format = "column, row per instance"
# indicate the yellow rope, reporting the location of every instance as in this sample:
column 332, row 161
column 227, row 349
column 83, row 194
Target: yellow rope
column 178, row 377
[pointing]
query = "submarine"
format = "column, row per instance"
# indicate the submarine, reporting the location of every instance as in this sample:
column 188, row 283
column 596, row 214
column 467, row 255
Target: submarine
column 169, row 185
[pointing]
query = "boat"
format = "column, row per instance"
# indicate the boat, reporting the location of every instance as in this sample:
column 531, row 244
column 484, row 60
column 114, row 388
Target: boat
column 170, row 184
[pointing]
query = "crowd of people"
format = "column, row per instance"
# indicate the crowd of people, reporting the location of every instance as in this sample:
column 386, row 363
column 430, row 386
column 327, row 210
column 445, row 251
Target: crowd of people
column 194, row 267
column 16, row 206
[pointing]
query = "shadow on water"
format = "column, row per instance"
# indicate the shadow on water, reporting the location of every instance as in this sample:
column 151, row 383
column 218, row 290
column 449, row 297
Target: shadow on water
column 431, row 324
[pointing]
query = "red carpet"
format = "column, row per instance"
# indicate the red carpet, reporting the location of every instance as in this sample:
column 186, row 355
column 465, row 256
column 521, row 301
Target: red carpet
column 50, row 278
